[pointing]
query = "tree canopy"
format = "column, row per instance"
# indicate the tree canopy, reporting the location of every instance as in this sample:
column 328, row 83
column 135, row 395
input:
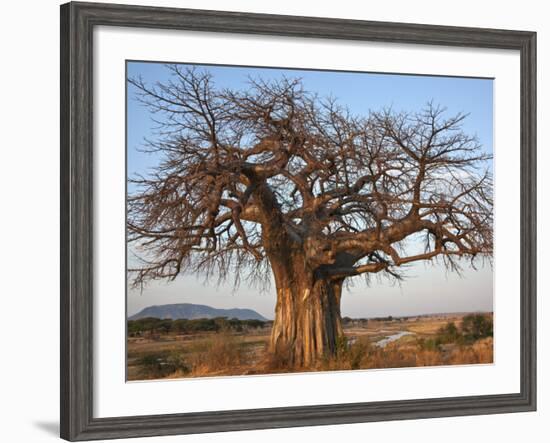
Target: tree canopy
column 275, row 161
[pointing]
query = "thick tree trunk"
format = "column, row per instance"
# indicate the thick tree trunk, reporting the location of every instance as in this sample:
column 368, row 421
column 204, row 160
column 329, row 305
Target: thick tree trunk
column 307, row 316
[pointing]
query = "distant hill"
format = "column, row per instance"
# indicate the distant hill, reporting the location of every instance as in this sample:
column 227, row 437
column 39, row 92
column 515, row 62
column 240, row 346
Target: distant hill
column 191, row 311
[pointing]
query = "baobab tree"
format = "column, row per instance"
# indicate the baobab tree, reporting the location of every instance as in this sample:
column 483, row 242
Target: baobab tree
column 275, row 179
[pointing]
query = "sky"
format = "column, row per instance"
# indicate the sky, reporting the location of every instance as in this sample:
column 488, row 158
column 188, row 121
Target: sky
column 428, row 287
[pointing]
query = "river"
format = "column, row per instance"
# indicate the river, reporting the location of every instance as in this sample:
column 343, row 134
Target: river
column 390, row 338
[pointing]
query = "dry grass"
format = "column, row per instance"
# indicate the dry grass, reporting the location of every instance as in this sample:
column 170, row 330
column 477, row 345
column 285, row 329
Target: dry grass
column 215, row 355
column 363, row 355
column 480, row 352
column 226, row 353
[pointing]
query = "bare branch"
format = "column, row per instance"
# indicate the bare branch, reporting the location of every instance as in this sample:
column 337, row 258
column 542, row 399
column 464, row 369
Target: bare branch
column 248, row 176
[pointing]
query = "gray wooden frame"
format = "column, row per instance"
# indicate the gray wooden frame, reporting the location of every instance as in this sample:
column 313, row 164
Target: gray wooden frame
column 77, row 24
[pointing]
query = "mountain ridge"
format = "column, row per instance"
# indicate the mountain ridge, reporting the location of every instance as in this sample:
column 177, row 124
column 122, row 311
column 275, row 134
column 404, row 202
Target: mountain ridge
column 193, row 311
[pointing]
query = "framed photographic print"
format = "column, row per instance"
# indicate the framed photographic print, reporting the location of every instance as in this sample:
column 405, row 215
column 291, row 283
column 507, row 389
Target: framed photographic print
column 274, row 221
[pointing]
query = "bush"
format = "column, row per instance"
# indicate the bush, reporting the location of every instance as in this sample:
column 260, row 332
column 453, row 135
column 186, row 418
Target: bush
column 473, row 327
column 161, row 365
column 448, row 334
column 476, row 326
column 348, row 355
column 356, row 353
column 428, row 344
column 152, row 325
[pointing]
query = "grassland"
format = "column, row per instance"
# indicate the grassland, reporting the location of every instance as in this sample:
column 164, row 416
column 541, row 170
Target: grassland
column 224, row 347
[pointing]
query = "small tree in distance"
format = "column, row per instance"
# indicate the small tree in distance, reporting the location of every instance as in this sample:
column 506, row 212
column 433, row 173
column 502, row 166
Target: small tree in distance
column 275, row 179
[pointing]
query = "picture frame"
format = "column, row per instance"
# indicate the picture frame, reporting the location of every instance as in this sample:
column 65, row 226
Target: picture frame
column 78, row 21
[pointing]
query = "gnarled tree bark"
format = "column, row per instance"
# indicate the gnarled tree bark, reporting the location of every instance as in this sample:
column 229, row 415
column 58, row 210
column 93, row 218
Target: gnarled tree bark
column 307, row 322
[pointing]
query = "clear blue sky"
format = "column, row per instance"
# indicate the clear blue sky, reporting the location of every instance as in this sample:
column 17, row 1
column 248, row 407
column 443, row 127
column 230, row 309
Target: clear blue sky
column 428, row 289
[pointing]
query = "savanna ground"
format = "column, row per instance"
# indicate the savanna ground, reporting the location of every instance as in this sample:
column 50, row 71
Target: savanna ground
column 221, row 347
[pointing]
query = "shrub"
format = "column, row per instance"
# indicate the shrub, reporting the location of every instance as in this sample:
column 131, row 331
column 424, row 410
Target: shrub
column 161, row 365
column 348, row 355
column 427, row 344
column 476, row 326
column 153, row 325
column 448, row 334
